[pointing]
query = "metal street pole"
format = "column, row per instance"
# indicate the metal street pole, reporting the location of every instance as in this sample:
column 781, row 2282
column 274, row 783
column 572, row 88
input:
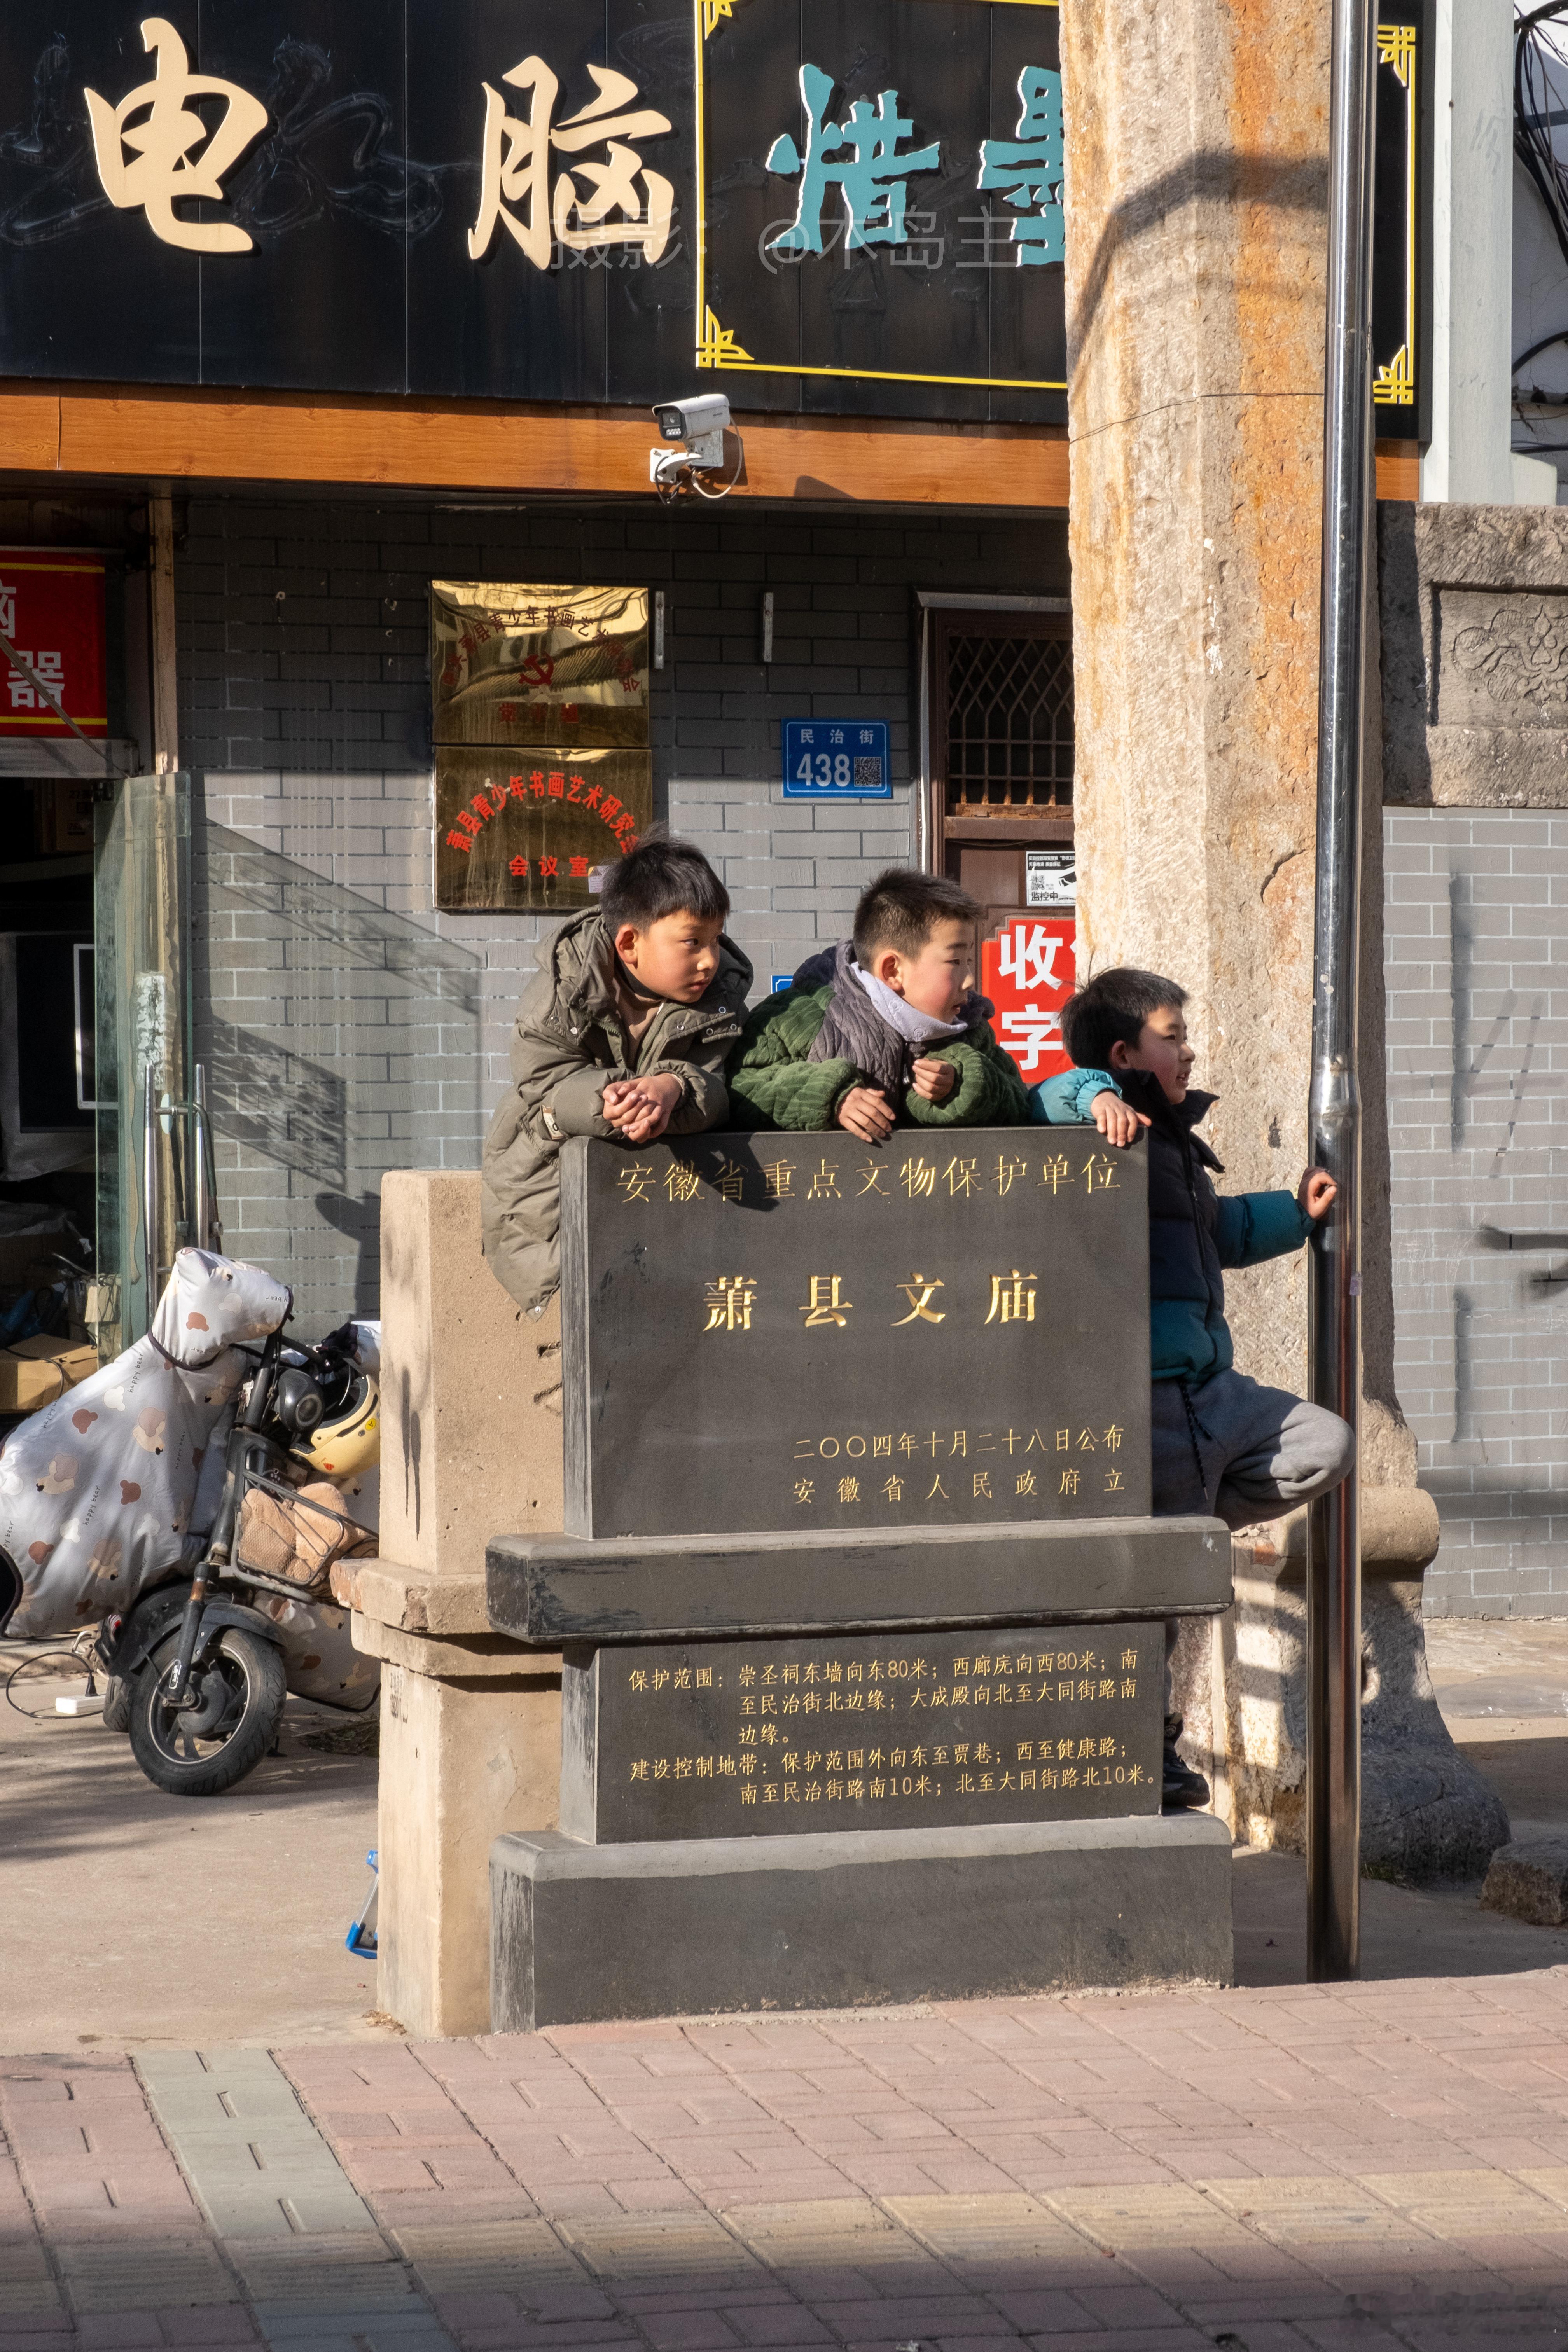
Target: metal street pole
column 1333, row 1576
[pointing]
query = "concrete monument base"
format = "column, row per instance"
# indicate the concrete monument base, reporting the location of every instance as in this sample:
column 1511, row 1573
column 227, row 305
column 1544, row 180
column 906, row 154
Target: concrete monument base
column 583, row 1933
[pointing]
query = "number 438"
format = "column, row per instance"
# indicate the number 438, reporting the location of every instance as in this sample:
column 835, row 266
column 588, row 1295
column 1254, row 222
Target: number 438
column 829, row 768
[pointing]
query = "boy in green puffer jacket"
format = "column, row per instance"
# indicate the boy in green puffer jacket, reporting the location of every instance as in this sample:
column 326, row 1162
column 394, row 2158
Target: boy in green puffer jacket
column 885, row 1030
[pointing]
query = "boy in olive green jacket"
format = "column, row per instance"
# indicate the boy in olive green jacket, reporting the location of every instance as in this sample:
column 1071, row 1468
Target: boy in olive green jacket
column 885, row 1030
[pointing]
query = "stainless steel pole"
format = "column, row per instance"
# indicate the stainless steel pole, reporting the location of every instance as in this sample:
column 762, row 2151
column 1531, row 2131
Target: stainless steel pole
column 151, row 1193
column 203, row 1186
column 1333, row 1585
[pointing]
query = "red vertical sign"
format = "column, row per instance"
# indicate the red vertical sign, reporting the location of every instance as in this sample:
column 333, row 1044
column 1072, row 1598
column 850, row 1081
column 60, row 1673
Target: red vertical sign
column 51, row 608
column 1029, row 974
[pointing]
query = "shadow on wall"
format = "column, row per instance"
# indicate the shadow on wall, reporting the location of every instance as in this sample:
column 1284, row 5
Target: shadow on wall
column 360, row 1053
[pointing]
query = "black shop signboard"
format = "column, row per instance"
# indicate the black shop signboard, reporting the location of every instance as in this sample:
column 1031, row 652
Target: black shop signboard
column 800, row 1332
column 840, row 206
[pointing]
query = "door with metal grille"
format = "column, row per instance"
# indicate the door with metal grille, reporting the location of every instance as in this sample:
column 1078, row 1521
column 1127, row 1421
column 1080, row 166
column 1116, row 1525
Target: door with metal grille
column 999, row 736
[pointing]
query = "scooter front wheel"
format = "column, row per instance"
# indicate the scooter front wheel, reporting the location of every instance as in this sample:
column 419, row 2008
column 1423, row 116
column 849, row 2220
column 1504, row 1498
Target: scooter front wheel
column 227, row 1725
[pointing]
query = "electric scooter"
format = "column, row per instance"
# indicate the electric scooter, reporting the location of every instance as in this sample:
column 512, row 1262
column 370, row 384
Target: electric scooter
column 199, row 1677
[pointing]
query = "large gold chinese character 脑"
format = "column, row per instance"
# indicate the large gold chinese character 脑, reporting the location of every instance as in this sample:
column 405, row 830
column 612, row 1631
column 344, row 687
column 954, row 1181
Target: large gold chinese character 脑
column 165, row 168
column 609, row 209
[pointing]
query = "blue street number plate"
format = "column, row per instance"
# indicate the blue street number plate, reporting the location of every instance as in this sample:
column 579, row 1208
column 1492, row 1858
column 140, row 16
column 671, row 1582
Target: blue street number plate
column 836, row 759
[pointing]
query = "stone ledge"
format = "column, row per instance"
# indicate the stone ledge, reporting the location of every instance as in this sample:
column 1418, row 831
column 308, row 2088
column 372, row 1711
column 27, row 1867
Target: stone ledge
column 853, row 1919
column 1399, row 1538
column 477, row 1657
column 557, row 1589
column 410, row 1599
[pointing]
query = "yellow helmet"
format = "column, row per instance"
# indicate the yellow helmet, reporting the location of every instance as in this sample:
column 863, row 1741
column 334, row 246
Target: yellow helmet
column 348, row 1439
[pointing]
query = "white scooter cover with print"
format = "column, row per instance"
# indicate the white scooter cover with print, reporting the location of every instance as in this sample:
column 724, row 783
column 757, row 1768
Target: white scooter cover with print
column 106, row 1490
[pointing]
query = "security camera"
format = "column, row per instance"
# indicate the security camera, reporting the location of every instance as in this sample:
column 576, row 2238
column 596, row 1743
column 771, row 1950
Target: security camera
column 693, row 444
column 692, row 420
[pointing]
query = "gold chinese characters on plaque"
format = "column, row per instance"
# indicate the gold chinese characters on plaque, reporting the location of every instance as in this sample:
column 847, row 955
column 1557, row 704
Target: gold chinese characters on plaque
column 542, row 770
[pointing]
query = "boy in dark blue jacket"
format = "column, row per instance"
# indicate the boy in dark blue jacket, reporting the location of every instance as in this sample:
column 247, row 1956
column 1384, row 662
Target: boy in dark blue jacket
column 1222, row 1443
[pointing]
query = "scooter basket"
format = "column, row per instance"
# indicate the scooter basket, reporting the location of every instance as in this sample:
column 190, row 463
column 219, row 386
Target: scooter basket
column 288, row 1537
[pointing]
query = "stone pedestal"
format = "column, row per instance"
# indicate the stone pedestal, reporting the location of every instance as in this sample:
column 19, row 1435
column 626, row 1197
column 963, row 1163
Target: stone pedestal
column 471, row 1721
column 1427, row 1817
column 694, row 1925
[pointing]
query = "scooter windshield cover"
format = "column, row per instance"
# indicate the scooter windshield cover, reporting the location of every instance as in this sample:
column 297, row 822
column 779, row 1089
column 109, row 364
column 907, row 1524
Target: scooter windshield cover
column 115, row 1483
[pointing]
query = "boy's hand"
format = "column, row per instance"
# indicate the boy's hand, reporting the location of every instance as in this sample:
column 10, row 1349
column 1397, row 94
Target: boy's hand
column 934, row 1081
column 1117, row 1120
column 1317, row 1194
column 641, row 1108
column 864, row 1111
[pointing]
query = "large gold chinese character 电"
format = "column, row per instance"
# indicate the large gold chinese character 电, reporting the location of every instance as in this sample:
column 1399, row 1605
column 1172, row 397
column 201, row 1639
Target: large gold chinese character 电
column 164, row 132
column 613, row 208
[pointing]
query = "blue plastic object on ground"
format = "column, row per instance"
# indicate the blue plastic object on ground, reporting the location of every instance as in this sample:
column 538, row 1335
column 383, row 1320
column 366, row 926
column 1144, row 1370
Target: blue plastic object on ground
column 361, row 1937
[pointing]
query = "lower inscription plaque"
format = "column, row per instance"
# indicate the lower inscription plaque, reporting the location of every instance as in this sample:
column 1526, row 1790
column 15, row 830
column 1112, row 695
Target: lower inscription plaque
column 861, row 1731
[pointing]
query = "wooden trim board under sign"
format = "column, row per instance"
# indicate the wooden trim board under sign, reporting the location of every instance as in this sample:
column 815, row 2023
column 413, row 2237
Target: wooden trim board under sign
column 107, row 432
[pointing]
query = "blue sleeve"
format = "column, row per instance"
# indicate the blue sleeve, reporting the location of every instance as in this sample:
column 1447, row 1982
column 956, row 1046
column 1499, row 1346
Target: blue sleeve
column 1253, row 1226
column 1064, row 1100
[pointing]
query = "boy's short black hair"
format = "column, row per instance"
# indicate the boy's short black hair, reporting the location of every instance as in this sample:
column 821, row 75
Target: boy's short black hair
column 1114, row 1004
column 659, row 878
column 901, row 907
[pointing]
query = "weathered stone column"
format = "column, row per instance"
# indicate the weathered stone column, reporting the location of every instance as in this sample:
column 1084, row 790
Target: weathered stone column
column 1196, row 168
column 1196, row 159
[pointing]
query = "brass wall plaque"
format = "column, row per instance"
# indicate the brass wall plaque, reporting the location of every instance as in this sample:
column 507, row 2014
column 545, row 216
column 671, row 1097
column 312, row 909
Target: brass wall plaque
column 518, row 664
column 527, row 828
column 542, row 771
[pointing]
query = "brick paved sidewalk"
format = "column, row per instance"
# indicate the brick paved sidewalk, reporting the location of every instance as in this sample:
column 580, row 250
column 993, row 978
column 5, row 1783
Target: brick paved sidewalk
column 1367, row 2165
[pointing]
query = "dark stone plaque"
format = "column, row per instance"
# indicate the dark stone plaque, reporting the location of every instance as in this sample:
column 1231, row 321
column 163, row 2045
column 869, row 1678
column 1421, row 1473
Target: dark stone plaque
column 870, row 1731
column 792, row 1331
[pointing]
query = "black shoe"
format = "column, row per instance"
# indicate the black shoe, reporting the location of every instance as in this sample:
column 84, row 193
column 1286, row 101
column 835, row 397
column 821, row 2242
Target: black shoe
column 1183, row 1790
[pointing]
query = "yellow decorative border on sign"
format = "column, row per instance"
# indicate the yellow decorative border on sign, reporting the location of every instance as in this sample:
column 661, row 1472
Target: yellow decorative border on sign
column 716, row 344
column 1394, row 386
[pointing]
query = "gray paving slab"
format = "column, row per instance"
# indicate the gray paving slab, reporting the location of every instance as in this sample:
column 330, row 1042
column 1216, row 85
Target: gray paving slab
column 255, row 2162
column 138, row 2276
column 299, row 2239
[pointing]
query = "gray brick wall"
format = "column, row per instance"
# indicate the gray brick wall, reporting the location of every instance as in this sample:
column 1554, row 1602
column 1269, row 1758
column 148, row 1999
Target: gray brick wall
column 350, row 1028
column 1476, row 944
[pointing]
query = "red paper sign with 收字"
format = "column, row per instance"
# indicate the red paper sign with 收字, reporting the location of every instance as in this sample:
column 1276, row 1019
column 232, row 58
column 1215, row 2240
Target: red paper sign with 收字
column 51, row 609
column 1028, row 973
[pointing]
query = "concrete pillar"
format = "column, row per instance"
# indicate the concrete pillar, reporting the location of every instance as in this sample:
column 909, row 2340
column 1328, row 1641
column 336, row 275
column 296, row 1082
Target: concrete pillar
column 1472, row 260
column 470, row 1722
column 469, row 1748
column 472, row 1387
